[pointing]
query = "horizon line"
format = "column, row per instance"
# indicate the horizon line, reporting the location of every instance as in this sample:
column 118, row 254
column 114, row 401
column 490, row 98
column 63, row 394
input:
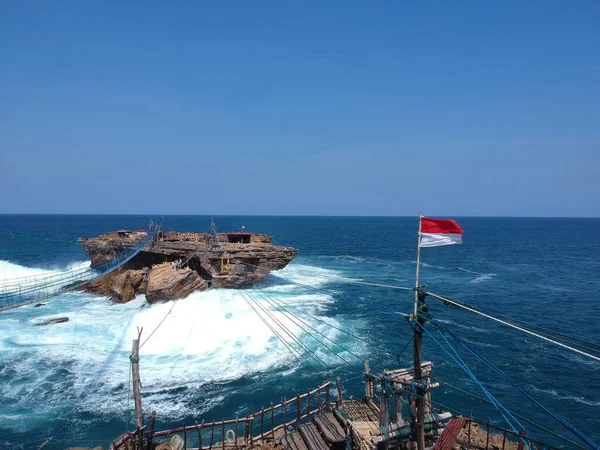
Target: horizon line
column 301, row 215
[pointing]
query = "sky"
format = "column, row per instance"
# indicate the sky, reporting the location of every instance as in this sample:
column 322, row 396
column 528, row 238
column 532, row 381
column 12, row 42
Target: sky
column 309, row 108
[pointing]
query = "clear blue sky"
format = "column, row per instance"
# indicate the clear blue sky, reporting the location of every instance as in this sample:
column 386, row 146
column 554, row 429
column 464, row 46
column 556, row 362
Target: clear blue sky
column 352, row 108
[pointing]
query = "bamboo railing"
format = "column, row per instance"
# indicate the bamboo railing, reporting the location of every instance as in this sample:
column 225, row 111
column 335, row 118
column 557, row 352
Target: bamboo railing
column 225, row 435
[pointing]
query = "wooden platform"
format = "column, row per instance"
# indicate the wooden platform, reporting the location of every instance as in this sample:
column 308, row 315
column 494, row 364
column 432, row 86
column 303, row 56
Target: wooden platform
column 361, row 410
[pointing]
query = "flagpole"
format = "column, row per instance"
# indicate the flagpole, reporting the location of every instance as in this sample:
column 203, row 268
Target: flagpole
column 418, row 264
column 419, row 401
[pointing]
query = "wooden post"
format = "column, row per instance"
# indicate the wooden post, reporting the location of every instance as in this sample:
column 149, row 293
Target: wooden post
column 284, row 413
column 487, row 439
column 368, row 393
column 222, row 437
column 308, row 406
column 262, row 416
column 419, row 400
column 469, row 434
column 236, row 432
column 137, row 384
column 319, row 401
column 398, row 416
column 383, row 413
column 151, row 431
column 340, row 400
column 298, row 410
column 199, row 428
column 272, row 420
column 520, row 446
column 327, row 399
column 251, row 432
column 504, row 437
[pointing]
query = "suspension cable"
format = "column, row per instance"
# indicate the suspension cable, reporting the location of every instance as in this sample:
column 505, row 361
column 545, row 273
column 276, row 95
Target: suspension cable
column 290, row 334
column 294, row 318
column 504, row 322
column 283, row 341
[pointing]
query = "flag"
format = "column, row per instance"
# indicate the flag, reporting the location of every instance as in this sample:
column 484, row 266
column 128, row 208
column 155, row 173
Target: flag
column 437, row 232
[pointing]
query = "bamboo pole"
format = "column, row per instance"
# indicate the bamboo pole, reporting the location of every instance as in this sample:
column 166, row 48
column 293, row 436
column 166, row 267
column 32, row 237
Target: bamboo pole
column 419, row 401
column 298, row 410
column 151, row 430
column 272, row 419
column 137, row 384
column 262, row 417
column 469, row 434
column 199, row 428
column 368, row 393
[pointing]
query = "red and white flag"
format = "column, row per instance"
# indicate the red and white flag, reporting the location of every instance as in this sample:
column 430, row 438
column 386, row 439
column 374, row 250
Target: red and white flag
column 437, row 232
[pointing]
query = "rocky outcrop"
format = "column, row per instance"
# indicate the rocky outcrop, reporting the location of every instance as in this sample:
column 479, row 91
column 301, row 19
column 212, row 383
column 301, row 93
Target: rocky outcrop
column 179, row 263
column 121, row 285
column 51, row 321
column 167, row 282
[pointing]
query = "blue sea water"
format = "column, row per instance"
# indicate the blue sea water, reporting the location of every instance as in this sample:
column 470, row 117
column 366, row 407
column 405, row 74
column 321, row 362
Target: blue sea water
column 213, row 357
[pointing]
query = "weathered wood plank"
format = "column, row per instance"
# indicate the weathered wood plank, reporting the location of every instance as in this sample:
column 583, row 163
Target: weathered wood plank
column 312, row 437
column 293, row 441
column 330, row 428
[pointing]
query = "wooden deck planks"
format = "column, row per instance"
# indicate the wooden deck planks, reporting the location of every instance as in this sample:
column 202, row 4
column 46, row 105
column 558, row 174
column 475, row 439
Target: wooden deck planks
column 330, row 428
column 312, row 437
column 359, row 410
column 293, row 441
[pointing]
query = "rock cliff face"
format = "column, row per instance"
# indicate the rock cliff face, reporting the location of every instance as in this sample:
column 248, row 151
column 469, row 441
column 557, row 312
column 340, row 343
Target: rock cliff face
column 180, row 263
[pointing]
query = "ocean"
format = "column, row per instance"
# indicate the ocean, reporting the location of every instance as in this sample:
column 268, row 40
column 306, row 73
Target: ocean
column 214, row 358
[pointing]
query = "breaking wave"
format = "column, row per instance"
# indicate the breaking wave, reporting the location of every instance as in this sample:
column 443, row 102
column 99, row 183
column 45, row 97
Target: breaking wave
column 209, row 337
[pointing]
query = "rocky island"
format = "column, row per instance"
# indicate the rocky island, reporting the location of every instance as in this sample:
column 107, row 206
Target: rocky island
column 175, row 264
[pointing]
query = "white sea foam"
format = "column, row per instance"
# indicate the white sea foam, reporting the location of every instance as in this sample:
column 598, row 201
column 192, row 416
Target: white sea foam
column 208, row 337
column 555, row 394
column 15, row 278
column 10, row 272
column 483, row 278
column 311, row 275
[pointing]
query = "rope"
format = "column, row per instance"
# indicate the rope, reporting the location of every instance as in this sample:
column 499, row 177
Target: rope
column 291, row 335
column 444, row 299
column 283, row 341
column 556, row 416
column 478, row 397
column 468, row 371
column 488, row 394
column 183, row 349
column 327, row 323
column 348, row 280
column 314, row 329
column 158, row 326
column 404, row 348
column 593, row 346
